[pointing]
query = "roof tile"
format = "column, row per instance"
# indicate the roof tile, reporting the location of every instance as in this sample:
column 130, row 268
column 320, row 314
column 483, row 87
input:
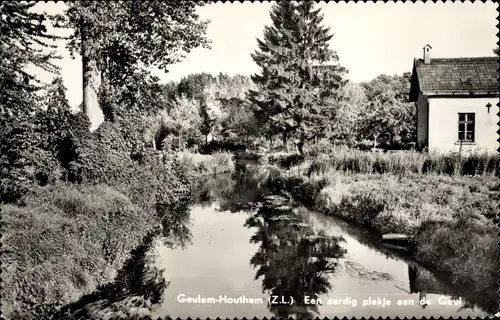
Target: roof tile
column 458, row 74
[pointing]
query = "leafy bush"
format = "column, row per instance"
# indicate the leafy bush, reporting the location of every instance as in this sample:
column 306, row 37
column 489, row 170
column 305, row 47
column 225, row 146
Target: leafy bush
column 249, row 155
column 286, row 160
column 322, row 147
column 363, row 208
column 465, row 249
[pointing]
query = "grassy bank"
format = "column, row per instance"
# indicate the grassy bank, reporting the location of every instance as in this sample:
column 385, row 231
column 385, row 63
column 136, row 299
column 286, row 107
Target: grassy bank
column 201, row 164
column 64, row 242
column 452, row 218
column 400, row 163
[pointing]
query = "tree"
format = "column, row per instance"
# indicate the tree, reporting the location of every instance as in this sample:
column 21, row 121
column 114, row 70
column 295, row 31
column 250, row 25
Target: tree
column 21, row 155
column 349, row 113
column 298, row 88
column 239, row 124
column 388, row 110
column 181, row 118
column 184, row 119
column 116, row 39
column 219, row 97
column 20, row 29
column 55, row 119
column 193, row 85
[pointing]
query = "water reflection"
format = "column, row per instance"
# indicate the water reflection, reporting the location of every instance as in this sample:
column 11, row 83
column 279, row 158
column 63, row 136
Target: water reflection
column 239, row 191
column 140, row 284
column 423, row 282
column 295, row 258
column 292, row 261
column 294, row 253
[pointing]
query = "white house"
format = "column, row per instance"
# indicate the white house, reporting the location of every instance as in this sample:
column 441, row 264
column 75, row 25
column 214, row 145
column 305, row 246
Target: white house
column 457, row 103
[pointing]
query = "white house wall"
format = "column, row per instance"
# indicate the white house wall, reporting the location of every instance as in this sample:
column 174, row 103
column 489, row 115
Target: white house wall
column 443, row 124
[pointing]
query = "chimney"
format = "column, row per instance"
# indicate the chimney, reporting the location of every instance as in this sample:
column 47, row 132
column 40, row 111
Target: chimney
column 427, row 54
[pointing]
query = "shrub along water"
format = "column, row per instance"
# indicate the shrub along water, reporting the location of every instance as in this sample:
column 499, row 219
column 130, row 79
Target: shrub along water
column 68, row 233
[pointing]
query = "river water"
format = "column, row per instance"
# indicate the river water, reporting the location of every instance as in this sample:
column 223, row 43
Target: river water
column 247, row 243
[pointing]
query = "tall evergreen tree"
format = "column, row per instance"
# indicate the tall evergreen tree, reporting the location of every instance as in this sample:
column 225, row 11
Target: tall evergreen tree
column 300, row 82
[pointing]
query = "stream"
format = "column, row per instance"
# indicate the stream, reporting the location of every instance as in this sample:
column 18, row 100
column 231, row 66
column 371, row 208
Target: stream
column 252, row 252
column 242, row 248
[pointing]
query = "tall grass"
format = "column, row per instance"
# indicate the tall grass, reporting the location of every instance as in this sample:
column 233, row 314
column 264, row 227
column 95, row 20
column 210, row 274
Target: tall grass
column 204, row 164
column 405, row 162
column 65, row 241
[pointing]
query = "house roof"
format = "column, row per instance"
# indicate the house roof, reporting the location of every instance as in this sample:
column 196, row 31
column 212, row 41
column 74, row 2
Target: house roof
column 450, row 76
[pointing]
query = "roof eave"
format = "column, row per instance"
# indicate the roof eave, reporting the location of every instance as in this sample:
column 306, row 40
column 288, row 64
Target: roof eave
column 414, row 86
column 462, row 93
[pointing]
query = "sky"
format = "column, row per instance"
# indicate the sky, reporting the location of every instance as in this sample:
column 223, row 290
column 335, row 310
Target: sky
column 370, row 38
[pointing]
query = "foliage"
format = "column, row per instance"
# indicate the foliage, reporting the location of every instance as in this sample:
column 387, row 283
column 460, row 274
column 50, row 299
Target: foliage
column 193, row 85
column 24, row 155
column 224, row 113
column 322, row 147
column 129, row 36
column 20, row 29
column 298, row 89
column 388, row 110
column 239, row 124
column 199, row 164
column 467, row 250
column 352, row 109
column 183, row 119
column 32, row 145
column 222, row 146
column 286, row 160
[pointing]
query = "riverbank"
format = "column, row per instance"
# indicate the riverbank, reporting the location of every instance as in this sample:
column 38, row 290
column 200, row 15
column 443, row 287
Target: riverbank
column 199, row 165
column 61, row 242
column 451, row 218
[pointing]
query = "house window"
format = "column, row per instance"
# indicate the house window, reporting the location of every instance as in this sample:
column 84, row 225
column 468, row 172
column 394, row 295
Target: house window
column 466, row 126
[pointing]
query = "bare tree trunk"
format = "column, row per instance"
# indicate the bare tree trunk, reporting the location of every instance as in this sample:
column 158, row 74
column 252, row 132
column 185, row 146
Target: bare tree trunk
column 91, row 82
column 154, row 144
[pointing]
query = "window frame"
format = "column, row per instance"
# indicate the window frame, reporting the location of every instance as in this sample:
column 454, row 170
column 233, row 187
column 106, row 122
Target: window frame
column 469, row 127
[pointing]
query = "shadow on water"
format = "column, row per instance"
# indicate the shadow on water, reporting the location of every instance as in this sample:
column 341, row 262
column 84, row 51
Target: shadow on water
column 140, row 284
